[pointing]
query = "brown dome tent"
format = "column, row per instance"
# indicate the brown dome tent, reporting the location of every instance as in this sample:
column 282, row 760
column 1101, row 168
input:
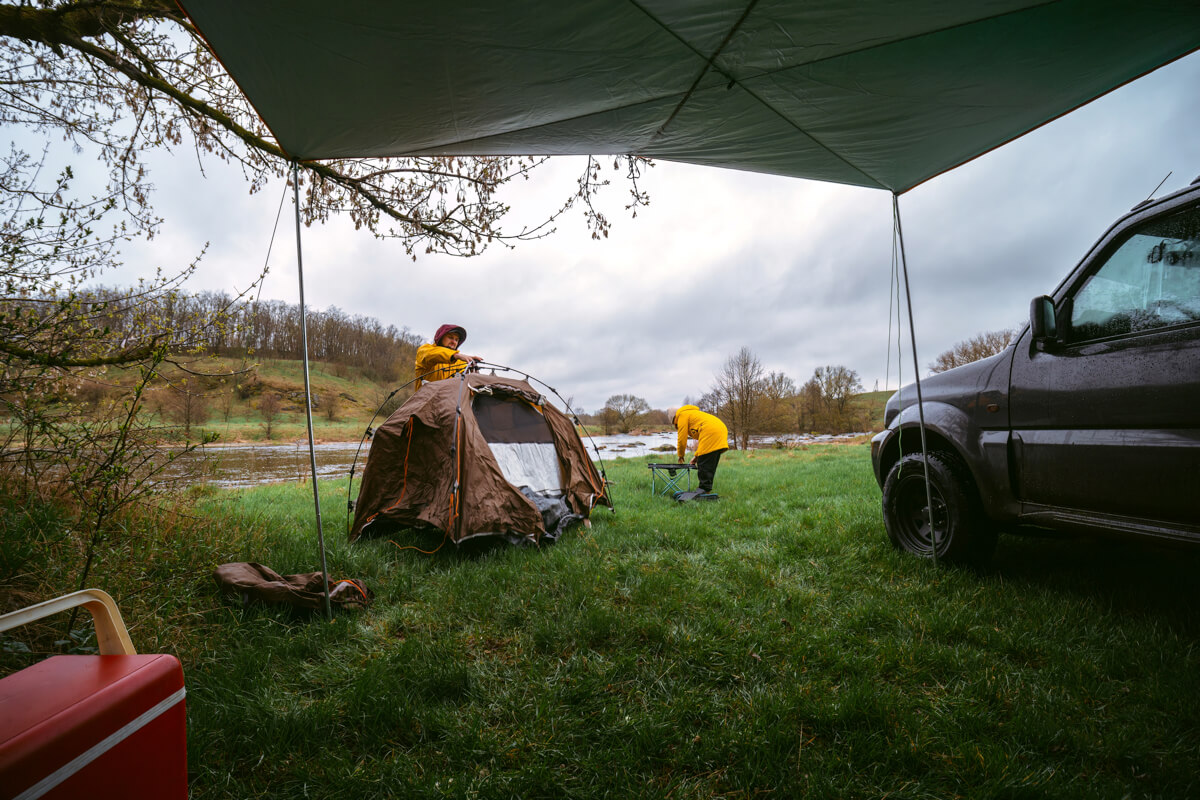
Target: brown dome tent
column 477, row 455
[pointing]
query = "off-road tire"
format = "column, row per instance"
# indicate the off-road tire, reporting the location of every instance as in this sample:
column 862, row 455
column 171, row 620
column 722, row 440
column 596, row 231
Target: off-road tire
column 965, row 535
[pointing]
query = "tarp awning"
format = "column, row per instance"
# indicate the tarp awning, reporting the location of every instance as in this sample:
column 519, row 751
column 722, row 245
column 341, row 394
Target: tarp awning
column 872, row 93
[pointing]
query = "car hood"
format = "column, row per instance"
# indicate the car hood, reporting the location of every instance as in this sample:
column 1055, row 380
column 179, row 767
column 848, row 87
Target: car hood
column 959, row 387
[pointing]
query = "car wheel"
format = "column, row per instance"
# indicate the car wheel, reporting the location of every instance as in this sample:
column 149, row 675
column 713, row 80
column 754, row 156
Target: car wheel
column 964, row 534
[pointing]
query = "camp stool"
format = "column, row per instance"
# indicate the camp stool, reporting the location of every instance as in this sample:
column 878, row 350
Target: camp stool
column 670, row 475
column 108, row 725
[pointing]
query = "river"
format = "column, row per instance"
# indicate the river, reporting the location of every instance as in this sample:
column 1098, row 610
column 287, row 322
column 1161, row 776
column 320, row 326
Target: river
column 242, row 465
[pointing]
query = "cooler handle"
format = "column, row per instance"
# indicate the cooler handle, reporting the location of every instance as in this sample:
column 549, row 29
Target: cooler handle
column 111, row 637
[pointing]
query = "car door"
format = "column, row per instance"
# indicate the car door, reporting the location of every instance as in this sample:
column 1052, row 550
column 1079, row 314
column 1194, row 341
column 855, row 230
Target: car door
column 1106, row 421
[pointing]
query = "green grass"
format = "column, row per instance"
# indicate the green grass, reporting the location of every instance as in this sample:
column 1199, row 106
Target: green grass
column 771, row 643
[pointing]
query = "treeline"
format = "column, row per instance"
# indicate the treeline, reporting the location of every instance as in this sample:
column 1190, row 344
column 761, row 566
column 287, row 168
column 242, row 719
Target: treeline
column 218, row 324
column 754, row 402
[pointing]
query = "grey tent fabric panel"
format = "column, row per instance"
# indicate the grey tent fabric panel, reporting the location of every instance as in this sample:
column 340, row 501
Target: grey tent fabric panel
column 505, row 420
column 874, row 93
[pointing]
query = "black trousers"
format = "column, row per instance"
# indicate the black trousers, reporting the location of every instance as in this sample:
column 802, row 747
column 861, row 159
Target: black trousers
column 706, row 466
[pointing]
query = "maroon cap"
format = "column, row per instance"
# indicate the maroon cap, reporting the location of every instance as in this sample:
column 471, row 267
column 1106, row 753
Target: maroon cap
column 442, row 331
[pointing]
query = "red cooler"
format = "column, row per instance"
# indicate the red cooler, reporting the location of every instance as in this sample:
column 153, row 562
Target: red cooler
column 101, row 726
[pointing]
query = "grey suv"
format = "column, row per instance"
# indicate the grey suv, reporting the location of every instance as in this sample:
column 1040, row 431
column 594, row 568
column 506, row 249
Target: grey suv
column 1089, row 422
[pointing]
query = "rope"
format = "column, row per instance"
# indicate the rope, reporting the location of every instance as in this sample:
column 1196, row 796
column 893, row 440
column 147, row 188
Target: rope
column 419, row 550
column 912, row 330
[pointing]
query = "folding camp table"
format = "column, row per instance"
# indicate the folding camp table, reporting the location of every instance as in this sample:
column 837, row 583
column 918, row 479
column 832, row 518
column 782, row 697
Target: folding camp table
column 670, row 475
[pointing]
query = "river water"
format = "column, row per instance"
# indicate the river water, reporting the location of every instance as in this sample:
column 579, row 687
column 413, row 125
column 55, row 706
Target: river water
column 242, row 465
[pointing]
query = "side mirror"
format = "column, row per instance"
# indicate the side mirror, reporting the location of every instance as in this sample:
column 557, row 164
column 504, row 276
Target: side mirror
column 1042, row 320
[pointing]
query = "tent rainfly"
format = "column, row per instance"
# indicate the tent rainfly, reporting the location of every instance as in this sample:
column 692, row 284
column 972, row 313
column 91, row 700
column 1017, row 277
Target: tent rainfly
column 477, row 455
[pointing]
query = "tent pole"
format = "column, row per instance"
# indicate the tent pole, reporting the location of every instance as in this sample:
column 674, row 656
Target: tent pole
column 312, row 453
column 912, row 331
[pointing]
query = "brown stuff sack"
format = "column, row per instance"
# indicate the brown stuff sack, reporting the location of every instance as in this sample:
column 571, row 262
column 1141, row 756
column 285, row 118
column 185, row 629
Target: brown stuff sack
column 251, row 582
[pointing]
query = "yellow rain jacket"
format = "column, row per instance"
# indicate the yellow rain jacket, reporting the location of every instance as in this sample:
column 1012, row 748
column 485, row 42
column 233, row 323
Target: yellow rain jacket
column 438, row 361
column 709, row 432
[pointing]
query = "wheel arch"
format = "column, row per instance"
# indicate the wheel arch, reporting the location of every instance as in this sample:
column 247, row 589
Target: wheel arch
column 947, row 429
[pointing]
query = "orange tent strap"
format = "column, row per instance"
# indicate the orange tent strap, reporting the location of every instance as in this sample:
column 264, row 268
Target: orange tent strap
column 353, row 583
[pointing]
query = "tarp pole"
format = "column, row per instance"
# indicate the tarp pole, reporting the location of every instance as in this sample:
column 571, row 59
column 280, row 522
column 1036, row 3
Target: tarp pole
column 912, row 331
column 312, row 453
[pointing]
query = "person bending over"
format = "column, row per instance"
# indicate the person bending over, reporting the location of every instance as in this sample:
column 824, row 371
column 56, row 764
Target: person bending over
column 441, row 360
column 712, row 439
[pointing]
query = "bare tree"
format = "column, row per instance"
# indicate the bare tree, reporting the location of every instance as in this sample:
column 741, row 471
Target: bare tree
column 775, row 413
column 187, row 405
column 656, row 416
column 607, row 417
column 225, row 395
column 269, row 407
column 122, row 78
column 331, row 406
column 625, row 410
column 838, row 384
column 57, row 336
column 977, row 347
column 737, row 391
column 823, row 403
column 808, row 406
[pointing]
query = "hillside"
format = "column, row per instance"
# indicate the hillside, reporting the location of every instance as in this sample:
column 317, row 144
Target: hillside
column 238, row 407
column 343, row 402
column 251, row 402
column 872, row 403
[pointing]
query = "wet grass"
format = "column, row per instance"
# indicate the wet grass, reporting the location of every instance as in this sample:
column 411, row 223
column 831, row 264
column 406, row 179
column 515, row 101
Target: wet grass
column 771, row 643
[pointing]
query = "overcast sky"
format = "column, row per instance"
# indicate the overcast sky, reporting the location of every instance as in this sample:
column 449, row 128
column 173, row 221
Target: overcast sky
column 798, row 271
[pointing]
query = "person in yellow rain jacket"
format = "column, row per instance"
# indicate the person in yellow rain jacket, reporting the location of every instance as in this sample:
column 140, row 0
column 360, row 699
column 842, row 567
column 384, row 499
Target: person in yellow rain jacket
column 441, row 359
column 712, row 439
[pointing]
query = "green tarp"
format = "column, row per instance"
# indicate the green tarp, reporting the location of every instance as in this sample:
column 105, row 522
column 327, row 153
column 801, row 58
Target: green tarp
column 873, row 93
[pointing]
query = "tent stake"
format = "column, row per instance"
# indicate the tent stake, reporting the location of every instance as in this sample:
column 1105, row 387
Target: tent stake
column 912, row 331
column 312, row 453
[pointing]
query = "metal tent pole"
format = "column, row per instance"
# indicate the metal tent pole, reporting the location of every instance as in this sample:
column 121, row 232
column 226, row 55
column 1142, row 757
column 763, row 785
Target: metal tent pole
column 912, row 330
column 312, row 453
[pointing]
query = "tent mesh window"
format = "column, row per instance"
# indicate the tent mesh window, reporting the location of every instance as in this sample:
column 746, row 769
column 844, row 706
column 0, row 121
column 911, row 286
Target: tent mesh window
column 521, row 442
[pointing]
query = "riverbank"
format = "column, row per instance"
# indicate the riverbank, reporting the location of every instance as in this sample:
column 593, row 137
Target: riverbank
column 238, row 465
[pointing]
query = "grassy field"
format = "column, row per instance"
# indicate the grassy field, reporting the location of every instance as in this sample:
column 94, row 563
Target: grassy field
column 769, row 644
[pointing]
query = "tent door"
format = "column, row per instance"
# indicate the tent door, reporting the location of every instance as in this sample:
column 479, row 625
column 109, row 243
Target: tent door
column 521, row 443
